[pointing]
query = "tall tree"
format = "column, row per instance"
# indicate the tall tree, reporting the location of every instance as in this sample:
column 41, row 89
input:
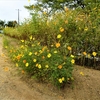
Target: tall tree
column 54, row 5
column 1, row 24
column 59, row 5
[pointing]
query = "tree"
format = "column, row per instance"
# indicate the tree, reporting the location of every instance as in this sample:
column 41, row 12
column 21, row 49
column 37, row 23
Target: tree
column 52, row 6
column 59, row 4
column 1, row 24
column 56, row 4
column 12, row 23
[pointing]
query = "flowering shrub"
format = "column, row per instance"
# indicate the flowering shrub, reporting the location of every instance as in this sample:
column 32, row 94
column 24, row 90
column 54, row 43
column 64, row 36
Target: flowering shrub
column 78, row 28
column 45, row 64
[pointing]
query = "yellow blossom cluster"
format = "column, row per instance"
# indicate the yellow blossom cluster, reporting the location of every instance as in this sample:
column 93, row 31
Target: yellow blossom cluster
column 61, row 80
column 39, row 66
column 49, row 55
column 61, row 29
column 27, row 64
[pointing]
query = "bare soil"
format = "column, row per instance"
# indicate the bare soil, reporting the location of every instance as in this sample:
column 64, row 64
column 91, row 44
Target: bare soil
column 18, row 86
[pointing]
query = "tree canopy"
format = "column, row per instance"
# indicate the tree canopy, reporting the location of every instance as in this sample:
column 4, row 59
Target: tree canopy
column 1, row 24
column 59, row 5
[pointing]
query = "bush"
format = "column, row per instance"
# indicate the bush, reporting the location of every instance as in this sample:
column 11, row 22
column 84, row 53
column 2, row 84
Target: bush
column 47, row 65
column 12, row 32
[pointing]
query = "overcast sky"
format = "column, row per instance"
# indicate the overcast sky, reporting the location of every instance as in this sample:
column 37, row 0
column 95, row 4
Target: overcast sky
column 9, row 9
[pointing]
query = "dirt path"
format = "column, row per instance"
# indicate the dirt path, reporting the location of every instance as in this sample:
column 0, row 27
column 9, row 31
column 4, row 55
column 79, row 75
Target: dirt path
column 11, row 87
column 15, row 87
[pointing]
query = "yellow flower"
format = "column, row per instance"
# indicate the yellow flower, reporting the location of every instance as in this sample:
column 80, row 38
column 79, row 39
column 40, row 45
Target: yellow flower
column 60, row 66
column 60, row 80
column 94, row 54
column 52, row 45
column 55, row 51
column 81, row 73
column 58, row 36
column 46, row 66
column 18, row 57
column 39, row 66
column 57, row 45
column 63, row 78
column 84, row 53
column 69, row 48
column 40, row 51
column 27, row 64
column 30, row 53
column 22, row 40
column 34, row 60
column 61, row 29
column 31, row 37
column 86, row 29
column 22, row 47
column 72, row 61
column 72, row 56
column 49, row 55
column 24, row 61
column 89, row 56
column 35, row 53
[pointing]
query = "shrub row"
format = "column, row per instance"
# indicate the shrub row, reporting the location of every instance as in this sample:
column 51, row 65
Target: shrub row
column 78, row 28
column 42, row 63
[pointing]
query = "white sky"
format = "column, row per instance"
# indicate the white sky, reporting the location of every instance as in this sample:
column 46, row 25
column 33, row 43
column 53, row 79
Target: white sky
column 9, row 9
